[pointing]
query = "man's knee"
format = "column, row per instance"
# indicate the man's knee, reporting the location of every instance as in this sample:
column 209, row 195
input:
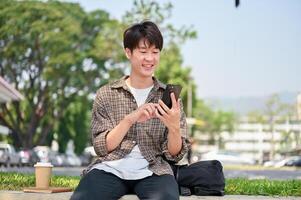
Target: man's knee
column 81, row 191
column 169, row 195
column 169, row 190
column 79, row 195
column 99, row 185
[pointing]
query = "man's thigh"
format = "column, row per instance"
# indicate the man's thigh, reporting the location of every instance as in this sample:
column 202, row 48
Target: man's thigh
column 99, row 185
column 156, row 187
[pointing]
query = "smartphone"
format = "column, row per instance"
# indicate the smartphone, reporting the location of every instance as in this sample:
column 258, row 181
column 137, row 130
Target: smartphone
column 176, row 89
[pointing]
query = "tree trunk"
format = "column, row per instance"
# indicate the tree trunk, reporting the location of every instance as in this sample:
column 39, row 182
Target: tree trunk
column 44, row 134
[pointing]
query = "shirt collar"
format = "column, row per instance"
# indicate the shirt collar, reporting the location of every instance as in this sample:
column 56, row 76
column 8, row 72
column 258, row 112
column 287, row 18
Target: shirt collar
column 121, row 83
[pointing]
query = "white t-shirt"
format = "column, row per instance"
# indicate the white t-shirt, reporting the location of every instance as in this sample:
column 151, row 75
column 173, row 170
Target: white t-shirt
column 133, row 166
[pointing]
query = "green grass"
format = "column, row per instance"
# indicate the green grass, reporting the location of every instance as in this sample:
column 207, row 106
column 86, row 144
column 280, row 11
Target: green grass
column 15, row 181
column 258, row 168
column 237, row 186
column 242, row 186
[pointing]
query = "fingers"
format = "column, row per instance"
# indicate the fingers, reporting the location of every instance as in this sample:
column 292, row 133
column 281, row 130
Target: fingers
column 158, row 115
column 147, row 114
column 163, row 106
column 153, row 107
column 150, row 109
column 173, row 100
column 160, row 110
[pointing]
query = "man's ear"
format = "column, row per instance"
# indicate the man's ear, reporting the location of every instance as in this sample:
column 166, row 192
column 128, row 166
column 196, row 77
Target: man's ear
column 127, row 52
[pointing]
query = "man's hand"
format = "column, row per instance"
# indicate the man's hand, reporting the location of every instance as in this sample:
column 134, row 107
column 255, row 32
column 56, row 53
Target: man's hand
column 142, row 114
column 170, row 117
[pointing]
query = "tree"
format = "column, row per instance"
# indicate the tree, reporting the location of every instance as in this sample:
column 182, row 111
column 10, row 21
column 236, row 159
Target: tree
column 74, row 125
column 48, row 52
column 256, row 116
column 215, row 122
column 275, row 111
column 273, row 108
column 159, row 13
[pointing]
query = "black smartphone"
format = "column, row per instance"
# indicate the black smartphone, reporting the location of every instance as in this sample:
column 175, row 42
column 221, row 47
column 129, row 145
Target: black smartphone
column 176, row 89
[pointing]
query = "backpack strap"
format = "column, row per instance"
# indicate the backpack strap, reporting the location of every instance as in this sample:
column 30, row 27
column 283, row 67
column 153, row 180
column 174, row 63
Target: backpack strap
column 184, row 191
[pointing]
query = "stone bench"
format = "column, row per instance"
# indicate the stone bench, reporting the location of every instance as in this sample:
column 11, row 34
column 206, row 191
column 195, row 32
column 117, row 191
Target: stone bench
column 19, row 195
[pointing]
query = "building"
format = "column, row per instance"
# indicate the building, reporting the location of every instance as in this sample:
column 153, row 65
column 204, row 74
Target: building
column 7, row 93
column 254, row 140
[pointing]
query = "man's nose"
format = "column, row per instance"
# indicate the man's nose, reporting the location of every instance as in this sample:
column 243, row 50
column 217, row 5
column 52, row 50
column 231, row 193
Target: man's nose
column 149, row 57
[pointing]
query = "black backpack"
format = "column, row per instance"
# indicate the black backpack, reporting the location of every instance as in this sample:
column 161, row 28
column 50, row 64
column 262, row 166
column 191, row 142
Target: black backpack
column 203, row 178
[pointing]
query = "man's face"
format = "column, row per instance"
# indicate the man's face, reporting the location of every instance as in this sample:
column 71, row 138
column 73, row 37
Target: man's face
column 144, row 59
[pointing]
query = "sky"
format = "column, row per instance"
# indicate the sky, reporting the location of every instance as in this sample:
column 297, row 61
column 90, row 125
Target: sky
column 252, row 50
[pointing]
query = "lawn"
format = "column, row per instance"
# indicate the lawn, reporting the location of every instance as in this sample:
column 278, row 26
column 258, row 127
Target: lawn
column 258, row 167
column 16, row 181
column 237, row 186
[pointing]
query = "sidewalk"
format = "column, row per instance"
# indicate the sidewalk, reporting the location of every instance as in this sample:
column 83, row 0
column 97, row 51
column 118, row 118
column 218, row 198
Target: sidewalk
column 19, row 195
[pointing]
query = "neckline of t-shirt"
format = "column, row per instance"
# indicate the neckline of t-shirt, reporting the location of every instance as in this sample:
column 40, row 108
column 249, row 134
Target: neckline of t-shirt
column 140, row 90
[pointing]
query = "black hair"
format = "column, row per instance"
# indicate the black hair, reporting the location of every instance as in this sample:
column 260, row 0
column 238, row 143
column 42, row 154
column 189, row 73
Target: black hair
column 145, row 30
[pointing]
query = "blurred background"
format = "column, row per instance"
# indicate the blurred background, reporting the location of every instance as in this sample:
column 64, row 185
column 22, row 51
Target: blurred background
column 238, row 61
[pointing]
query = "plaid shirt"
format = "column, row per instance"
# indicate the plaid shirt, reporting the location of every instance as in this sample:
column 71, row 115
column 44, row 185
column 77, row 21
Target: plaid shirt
column 112, row 103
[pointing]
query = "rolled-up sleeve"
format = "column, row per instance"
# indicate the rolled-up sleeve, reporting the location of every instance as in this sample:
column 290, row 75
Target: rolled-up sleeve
column 185, row 141
column 100, row 125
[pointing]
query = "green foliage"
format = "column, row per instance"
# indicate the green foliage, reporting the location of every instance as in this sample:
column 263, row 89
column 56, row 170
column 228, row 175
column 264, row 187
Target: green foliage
column 75, row 125
column 214, row 121
column 172, row 71
column 159, row 13
column 50, row 52
column 275, row 111
column 256, row 116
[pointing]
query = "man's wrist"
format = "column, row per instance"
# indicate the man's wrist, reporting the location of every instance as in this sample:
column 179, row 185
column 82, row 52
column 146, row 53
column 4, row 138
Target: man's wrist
column 128, row 120
column 174, row 130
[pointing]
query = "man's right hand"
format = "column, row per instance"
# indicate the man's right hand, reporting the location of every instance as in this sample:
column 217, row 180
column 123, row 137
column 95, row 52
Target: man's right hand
column 143, row 113
column 116, row 135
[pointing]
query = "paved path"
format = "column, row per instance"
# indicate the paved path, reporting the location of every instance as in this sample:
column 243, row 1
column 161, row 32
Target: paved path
column 18, row 195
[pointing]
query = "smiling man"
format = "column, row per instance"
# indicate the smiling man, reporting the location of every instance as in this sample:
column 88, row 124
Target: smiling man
column 132, row 140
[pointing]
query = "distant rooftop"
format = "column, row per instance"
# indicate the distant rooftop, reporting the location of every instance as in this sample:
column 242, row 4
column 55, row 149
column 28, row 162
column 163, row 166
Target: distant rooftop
column 8, row 92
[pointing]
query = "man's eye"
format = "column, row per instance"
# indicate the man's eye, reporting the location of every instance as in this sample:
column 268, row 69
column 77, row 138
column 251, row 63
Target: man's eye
column 155, row 52
column 142, row 51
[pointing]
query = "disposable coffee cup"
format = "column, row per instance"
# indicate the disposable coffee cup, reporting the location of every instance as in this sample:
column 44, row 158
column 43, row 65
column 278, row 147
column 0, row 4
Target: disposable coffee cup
column 43, row 174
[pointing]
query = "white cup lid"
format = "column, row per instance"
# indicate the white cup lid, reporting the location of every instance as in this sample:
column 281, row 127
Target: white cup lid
column 43, row 164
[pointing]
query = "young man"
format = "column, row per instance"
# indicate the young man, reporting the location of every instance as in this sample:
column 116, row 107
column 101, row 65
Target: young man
column 132, row 140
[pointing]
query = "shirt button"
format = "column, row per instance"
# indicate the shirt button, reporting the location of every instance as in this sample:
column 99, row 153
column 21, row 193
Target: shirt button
column 134, row 142
column 134, row 100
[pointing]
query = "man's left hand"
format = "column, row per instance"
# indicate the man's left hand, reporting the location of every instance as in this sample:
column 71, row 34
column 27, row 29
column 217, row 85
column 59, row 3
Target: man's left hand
column 169, row 116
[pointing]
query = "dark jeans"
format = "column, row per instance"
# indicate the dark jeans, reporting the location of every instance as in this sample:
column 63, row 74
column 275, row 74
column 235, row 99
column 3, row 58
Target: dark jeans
column 100, row 185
